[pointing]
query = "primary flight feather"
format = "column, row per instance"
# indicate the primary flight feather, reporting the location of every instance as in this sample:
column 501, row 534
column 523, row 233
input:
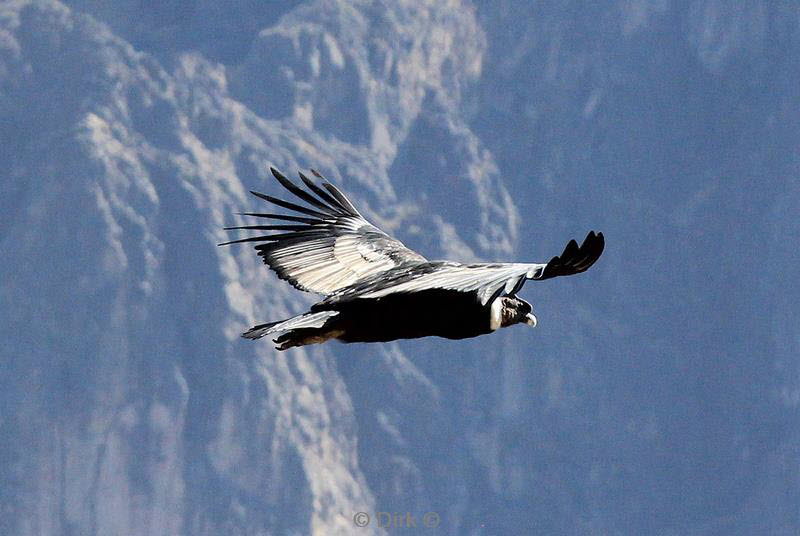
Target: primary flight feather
column 375, row 288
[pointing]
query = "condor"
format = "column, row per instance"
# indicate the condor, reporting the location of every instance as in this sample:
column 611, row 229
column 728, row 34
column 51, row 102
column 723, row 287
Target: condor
column 375, row 288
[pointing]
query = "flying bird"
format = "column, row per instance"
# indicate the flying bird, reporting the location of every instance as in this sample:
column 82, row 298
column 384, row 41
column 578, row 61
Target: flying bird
column 376, row 289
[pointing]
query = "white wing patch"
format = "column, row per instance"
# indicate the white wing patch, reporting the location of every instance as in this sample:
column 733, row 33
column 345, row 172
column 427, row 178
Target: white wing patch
column 327, row 264
column 485, row 279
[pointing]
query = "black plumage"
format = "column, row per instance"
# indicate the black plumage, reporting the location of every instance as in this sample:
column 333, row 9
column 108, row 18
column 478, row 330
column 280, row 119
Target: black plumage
column 375, row 288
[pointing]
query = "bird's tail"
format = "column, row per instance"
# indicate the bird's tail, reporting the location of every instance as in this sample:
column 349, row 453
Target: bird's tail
column 308, row 321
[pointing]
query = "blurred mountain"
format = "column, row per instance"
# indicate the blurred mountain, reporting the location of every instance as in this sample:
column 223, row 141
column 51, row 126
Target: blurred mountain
column 659, row 393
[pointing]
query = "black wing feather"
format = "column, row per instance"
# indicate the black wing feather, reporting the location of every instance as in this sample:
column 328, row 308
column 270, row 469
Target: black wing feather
column 283, row 217
column 299, row 192
column 291, row 206
column 320, row 192
column 574, row 259
column 268, row 227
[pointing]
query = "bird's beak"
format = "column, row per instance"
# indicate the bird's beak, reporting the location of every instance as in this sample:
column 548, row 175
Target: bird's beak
column 530, row 320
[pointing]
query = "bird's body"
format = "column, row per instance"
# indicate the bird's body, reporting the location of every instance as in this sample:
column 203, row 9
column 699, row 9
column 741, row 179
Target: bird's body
column 377, row 289
column 441, row 313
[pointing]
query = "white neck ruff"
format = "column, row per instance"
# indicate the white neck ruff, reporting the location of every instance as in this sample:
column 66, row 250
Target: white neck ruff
column 496, row 314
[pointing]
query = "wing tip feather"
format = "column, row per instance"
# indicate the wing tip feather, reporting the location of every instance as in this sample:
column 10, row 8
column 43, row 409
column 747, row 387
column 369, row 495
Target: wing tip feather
column 576, row 259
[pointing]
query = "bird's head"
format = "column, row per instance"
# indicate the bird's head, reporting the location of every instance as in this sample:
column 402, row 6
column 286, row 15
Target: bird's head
column 510, row 310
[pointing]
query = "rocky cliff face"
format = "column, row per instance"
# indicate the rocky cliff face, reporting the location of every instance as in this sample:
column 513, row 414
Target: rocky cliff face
column 131, row 404
column 658, row 394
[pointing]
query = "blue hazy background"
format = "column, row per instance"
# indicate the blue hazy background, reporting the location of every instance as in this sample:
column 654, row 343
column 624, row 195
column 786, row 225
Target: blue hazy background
column 658, row 395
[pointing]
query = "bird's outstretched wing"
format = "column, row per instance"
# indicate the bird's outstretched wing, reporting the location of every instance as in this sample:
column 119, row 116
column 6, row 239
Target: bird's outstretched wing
column 327, row 247
column 487, row 280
